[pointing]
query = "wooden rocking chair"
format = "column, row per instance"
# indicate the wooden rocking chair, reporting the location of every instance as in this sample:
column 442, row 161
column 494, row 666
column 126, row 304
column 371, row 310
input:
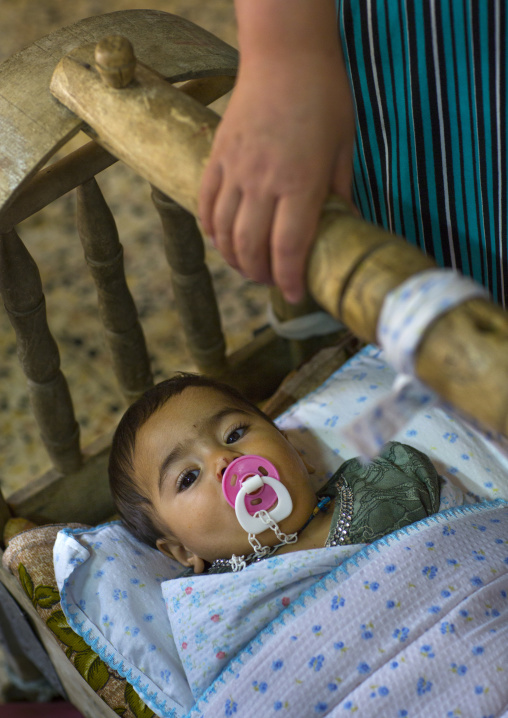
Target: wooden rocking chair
column 132, row 113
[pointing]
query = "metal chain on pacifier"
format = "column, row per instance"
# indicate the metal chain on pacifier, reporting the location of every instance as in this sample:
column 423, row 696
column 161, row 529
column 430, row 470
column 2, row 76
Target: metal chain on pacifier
column 284, row 538
column 260, row 551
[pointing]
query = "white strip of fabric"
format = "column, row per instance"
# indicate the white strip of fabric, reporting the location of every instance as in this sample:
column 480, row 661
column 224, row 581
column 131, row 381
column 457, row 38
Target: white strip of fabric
column 309, row 325
column 406, row 314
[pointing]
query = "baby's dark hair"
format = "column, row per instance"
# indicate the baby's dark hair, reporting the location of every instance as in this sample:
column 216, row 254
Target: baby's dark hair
column 135, row 508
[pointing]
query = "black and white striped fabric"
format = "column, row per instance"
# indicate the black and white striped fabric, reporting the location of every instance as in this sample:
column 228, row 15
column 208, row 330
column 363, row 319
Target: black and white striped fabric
column 429, row 78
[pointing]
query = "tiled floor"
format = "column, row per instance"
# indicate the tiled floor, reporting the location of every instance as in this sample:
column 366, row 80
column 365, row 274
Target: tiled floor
column 52, row 239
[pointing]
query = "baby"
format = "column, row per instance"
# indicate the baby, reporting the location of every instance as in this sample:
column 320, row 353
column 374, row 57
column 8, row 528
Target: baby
column 202, row 474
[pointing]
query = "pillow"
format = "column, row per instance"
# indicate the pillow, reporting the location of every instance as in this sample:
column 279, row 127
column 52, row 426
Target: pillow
column 110, row 583
column 465, row 457
column 29, row 556
column 110, row 592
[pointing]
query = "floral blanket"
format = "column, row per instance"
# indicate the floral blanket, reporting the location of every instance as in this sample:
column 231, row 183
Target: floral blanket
column 415, row 624
column 213, row 617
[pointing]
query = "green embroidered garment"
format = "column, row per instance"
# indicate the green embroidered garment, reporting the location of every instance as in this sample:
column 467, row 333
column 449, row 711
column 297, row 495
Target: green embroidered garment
column 395, row 489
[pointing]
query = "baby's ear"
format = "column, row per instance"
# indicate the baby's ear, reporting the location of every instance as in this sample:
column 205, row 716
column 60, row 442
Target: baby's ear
column 174, row 549
column 310, row 468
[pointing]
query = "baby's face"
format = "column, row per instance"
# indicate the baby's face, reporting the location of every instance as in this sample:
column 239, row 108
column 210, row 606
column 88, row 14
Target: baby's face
column 180, row 456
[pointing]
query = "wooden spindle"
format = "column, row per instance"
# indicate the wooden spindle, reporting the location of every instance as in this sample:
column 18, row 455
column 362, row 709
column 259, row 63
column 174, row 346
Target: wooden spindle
column 104, row 256
column 21, row 288
column 192, row 285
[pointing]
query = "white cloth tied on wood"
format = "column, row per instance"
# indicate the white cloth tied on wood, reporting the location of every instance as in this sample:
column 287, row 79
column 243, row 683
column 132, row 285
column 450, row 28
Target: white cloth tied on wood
column 406, row 314
column 315, row 324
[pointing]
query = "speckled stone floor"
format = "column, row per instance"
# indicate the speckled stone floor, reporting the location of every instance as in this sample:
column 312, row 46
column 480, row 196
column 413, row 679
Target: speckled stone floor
column 52, row 239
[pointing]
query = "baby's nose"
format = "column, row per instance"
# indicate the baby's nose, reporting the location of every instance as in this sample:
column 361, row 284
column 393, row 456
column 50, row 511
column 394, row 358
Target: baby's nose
column 223, row 464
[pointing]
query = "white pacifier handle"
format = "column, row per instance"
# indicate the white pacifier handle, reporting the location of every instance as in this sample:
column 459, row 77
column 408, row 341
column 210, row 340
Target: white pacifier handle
column 253, row 524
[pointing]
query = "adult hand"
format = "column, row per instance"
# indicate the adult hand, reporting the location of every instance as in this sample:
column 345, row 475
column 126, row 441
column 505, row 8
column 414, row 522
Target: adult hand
column 285, row 142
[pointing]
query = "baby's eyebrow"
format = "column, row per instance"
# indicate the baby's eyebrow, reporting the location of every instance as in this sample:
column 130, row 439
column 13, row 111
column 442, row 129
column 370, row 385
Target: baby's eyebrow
column 174, row 455
column 179, row 450
column 221, row 414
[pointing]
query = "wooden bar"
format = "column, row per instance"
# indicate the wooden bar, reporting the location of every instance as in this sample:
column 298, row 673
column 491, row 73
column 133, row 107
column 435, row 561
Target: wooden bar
column 171, row 130
column 192, row 285
column 87, row 161
column 33, row 126
column 20, row 285
column 353, row 265
column 104, row 256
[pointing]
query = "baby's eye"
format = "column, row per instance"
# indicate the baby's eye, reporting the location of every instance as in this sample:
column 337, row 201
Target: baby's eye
column 236, row 434
column 187, row 479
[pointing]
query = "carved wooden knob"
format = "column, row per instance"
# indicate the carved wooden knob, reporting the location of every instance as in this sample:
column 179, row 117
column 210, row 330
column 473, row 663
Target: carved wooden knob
column 115, row 60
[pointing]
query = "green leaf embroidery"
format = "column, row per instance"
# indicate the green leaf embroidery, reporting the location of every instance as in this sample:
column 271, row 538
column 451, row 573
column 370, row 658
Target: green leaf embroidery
column 26, row 581
column 92, row 668
column 120, row 710
column 46, row 596
column 135, row 703
column 58, row 624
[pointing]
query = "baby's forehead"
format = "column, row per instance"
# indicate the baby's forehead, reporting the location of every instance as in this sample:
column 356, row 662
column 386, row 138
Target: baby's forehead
column 199, row 399
column 189, row 413
column 197, row 406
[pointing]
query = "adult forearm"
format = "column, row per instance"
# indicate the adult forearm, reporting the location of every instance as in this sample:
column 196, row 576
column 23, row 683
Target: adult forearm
column 286, row 30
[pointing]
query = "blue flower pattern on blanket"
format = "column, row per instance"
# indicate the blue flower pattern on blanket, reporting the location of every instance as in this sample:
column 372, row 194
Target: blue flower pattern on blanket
column 212, row 616
column 444, row 658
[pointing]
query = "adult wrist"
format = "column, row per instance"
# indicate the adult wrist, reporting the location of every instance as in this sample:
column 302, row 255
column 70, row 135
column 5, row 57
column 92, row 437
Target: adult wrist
column 280, row 30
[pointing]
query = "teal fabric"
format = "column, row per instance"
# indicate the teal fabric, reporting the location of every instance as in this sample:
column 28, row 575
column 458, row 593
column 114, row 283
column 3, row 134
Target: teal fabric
column 396, row 489
column 430, row 83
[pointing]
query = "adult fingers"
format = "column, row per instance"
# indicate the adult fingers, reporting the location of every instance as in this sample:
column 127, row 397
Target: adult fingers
column 210, row 186
column 293, row 234
column 251, row 237
column 223, row 217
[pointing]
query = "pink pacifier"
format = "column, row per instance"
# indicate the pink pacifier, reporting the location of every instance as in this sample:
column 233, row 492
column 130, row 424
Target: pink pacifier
column 251, row 484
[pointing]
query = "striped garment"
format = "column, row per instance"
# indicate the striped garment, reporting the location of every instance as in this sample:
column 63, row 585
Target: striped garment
column 429, row 79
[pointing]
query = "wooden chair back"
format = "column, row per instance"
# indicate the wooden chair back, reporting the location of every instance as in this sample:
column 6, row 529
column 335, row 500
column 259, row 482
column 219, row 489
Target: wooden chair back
column 34, row 126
